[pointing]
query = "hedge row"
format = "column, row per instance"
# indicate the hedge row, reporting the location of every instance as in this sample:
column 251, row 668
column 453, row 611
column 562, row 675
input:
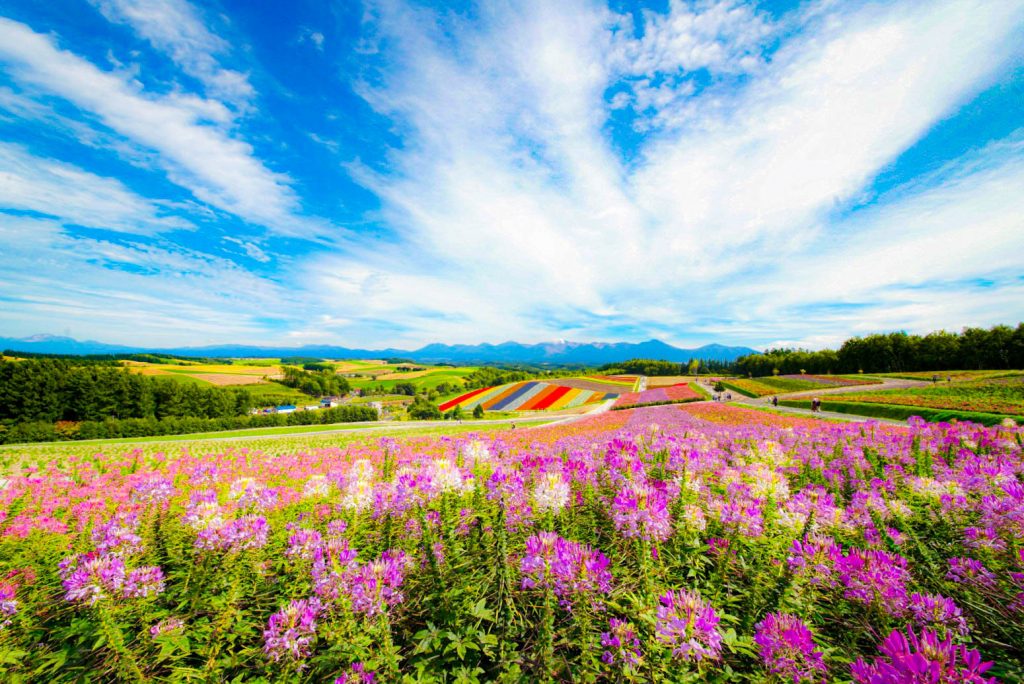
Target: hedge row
column 734, row 388
column 147, row 427
column 896, row 412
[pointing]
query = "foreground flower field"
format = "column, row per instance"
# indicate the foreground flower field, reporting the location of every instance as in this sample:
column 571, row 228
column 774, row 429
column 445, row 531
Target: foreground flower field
column 679, row 544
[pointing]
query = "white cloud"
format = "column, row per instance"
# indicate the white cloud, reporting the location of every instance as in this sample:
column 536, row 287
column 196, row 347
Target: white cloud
column 132, row 293
column 508, row 187
column 46, row 186
column 185, row 130
column 175, row 28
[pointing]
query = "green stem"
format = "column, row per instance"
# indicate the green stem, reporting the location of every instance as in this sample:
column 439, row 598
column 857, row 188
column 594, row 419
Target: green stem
column 126, row 665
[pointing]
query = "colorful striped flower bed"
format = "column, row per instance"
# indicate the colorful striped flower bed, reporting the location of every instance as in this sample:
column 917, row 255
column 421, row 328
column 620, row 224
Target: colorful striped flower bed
column 527, row 396
column 674, row 394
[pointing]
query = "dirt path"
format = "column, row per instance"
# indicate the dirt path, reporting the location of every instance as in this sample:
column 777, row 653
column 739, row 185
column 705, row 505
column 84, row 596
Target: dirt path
column 887, row 384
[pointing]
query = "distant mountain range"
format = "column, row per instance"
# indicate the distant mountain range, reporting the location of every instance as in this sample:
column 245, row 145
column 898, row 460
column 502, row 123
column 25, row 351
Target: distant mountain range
column 554, row 353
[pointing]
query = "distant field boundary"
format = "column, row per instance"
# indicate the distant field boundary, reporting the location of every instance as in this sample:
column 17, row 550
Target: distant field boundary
column 657, row 403
column 895, row 412
column 734, row 388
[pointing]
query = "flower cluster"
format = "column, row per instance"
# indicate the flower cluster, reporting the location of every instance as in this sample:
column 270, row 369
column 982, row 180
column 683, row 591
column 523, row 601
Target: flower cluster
column 376, row 586
column 689, row 626
column 567, row 568
column 787, row 648
column 922, row 659
column 622, row 647
column 91, row 577
column 641, row 510
column 290, row 632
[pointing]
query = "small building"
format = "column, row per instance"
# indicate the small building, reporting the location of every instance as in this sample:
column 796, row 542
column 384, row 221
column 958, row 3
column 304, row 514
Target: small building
column 311, row 407
column 286, row 408
column 378, row 407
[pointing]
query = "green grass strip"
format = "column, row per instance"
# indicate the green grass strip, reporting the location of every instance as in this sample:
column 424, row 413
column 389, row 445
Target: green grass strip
column 895, row 412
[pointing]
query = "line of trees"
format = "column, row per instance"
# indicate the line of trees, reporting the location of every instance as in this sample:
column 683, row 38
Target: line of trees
column 315, row 383
column 51, row 390
column 996, row 348
column 656, row 367
column 42, row 431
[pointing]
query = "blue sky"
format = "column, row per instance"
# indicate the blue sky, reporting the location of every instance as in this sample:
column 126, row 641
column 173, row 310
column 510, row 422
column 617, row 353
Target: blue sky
column 396, row 173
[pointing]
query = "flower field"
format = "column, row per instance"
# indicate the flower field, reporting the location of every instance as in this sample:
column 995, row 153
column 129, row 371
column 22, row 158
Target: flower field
column 697, row 543
column 528, row 396
column 988, row 395
column 673, row 394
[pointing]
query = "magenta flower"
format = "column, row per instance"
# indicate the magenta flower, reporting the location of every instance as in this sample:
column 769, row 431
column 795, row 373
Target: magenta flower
column 689, row 625
column 357, row 674
column 622, row 647
column 565, row 567
column 815, row 558
column 787, row 648
column 290, row 632
column 924, row 659
column 875, row 578
column 939, row 614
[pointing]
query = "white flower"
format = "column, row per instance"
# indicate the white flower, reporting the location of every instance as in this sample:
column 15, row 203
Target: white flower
column 551, row 493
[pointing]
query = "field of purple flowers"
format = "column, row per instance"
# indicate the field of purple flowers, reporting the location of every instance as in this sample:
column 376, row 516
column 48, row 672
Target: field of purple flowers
column 641, row 546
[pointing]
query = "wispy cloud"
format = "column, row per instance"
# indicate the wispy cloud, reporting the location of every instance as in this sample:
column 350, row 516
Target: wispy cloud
column 189, row 132
column 63, row 191
column 176, row 28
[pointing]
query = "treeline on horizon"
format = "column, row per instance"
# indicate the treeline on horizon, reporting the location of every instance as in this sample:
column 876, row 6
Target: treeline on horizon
column 661, row 368
column 997, row 348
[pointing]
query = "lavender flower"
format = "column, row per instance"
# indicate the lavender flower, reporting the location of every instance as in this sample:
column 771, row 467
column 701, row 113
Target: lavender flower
column 143, row 582
column 939, row 614
column 923, row 659
column 971, row 572
column 247, row 532
column 153, row 491
column 376, row 586
column 689, row 625
column 787, row 648
column 167, row 626
column 302, row 543
column 291, row 631
column 8, row 604
column 565, row 567
column 622, row 647
column 815, row 558
column 90, row 577
column 118, row 535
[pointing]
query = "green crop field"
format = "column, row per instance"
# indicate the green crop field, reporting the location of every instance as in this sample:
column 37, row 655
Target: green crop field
column 998, row 394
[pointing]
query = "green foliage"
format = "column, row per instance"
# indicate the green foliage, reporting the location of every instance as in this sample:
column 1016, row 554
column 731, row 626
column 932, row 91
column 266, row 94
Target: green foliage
column 422, row 409
column 51, row 390
column 478, row 411
column 999, row 347
column 40, row 431
column 317, row 383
